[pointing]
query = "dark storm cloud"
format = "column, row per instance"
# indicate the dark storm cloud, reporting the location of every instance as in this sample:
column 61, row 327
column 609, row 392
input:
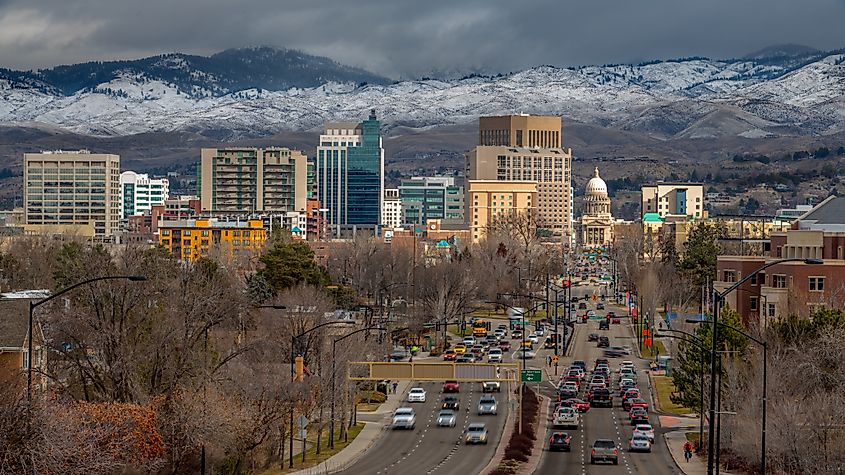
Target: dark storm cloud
column 402, row 38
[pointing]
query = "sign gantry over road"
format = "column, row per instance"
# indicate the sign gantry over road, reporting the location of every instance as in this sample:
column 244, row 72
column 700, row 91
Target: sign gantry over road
column 532, row 375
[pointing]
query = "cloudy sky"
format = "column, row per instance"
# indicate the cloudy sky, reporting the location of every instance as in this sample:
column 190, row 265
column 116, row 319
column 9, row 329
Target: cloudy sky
column 410, row 38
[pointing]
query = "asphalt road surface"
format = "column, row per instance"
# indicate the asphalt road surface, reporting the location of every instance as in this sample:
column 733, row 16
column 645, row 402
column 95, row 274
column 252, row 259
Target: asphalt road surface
column 429, row 449
column 605, row 423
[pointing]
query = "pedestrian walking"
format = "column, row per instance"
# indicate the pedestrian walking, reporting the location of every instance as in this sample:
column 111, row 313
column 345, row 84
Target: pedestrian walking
column 687, row 451
column 549, row 360
column 395, row 384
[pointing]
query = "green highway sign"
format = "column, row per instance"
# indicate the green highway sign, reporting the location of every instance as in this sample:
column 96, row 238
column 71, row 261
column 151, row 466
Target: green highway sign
column 532, row 375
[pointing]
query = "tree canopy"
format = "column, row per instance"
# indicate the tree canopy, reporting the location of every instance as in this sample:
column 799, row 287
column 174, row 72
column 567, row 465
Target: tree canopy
column 289, row 263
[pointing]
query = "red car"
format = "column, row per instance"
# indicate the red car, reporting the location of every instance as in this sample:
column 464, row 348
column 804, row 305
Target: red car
column 450, row 355
column 634, row 403
column 579, row 404
column 505, row 345
column 451, row 387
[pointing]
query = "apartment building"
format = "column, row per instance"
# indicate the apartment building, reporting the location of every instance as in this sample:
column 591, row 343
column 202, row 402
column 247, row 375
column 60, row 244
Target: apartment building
column 491, row 200
column 391, row 210
column 792, row 287
column 674, row 199
column 72, row 192
column 431, row 197
column 140, row 193
column 550, row 169
column 189, row 239
column 252, row 180
column 350, row 173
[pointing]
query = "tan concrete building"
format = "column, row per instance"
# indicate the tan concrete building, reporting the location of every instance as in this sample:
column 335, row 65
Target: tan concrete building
column 597, row 221
column 74, row 189
column 674, row 199
column 252, row 180
column 488, row 200
column 520, row 130
column 550, row 168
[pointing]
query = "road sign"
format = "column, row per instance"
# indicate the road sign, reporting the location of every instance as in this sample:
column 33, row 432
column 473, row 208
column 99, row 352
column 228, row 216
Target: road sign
column 303, row 422
column 595, row 297
column 303, row 433
column 555, row 358
column 532, row 375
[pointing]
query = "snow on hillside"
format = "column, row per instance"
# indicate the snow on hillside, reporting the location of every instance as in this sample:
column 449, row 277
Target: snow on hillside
column 662, row 98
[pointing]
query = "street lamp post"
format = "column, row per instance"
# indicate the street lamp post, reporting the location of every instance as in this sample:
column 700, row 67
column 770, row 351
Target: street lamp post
column 697, row 341
column 334, row 350
column 293, row 341
column 32, row 305
column 718, row 300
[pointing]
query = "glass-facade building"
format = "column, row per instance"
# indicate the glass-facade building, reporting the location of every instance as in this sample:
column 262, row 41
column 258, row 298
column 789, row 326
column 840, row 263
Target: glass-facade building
column 425, row 198
column 350, row 173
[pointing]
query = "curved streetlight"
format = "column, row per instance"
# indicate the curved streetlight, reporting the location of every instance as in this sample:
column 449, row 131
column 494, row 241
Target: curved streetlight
column 334, row 349
column 718, row 299
column 32, row 305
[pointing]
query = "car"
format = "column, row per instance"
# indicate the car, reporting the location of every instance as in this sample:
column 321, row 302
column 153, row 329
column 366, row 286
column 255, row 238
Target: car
column 476, row 433
column 505, row 345
column 611, row 314
column 575, row 373
column 593, row 337
column 460, row 348
column 565, row 416
column 469, row 340
column 451, row 403
column 500, row 333
column 578, row 404
column 603, row 325
column 638, row 415
column 495, row 355
column 487, row 405
column 627, row 363
column 516, row 335
column 603, row 342
column 582, row 306
column 466, row 358
column 615, row 320
column 416, row 395
column 599, row 306
column 450, row 355
column 622, row 349
column 580, row 364
column 638, row 402
column 451, row 387
column 560, row 442
column 645, row 430
column 477, row 350
column 574, row 380
column 404, row 418
column 523, row 353
column 639, row 443
column 601, row 361
column 612, row 353
column 601, row 397
column 569, row 384
column 591, row 313
column 491, row 386
column 502, row 326
column 630, row 393
column 446, row 418
column 533, row 338
column 398, row 354
column 604, row 450
column 567, row 393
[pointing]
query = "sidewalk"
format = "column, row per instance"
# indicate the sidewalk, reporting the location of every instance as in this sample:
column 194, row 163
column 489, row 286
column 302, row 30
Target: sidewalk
column 373, row 428
column 697, row 464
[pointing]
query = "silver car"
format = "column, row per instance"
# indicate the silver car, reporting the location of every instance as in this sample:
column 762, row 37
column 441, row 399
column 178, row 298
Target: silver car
column 476, row 433
column 639, row 443
column 404, row 418
column 446, row 418
column 487, row 405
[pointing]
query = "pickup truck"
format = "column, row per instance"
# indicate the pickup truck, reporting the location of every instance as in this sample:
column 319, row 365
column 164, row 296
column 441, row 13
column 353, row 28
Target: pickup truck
column 490, row 386
column 565, row 417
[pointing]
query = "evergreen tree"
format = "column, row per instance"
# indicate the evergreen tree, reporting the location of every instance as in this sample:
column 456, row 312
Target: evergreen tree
column 289, row 263
column 701, row 249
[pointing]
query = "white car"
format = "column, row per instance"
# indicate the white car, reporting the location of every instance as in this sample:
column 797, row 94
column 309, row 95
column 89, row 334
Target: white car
column 566, row 417
column 639, row 443
column 416, row 395
column 524, row 353
column 494, row 357
column 644, row 430
column 533, row 338
column 469, row 341
column 404, row 418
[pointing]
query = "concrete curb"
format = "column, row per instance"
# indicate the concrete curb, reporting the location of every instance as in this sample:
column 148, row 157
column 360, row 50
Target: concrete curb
column 349, row 455
column 696, row 466
column 510, row 424
column 537, row 452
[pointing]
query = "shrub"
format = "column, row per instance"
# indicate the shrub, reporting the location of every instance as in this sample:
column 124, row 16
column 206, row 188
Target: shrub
column 370, row 396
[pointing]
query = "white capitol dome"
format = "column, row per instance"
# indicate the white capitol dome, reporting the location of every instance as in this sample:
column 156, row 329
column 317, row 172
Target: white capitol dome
column 596, row 186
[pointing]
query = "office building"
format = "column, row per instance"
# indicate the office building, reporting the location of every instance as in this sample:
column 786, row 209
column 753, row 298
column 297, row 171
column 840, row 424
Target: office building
column 597, row 221
column 391, row 210
column 550, row 168
column 492, row 200
column 189, row 239
column 72, row 192
column 674, row 199
column 520, row 130
column 431, row 197
column 140, row 193
column 350, row 174
column 252, row 180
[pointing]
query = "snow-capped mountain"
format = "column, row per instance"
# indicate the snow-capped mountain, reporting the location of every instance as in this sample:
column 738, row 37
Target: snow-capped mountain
column 691, row 98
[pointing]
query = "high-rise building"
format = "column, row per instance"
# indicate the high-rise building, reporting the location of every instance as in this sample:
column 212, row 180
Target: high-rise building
column 520, row 130
column 391, row 210
column 252, row 180
column 65, row 189
column 140, row 193
column 550, row 168
column 350, row 173
column 490, row 200
column 674, row 199
column 431, row 197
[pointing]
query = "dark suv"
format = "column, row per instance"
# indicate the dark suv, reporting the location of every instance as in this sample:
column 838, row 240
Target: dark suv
column 601, row 398
column 603, row 342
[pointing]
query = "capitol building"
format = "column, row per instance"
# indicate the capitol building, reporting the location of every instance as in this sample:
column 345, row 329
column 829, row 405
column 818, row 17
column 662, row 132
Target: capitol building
column 596, row 221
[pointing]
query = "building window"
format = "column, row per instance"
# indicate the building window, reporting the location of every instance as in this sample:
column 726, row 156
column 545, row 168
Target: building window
column 753, row 304
column 779, row 281
column 816, row 284
column 165, row 232
column 771, row 310
column 730, row 276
